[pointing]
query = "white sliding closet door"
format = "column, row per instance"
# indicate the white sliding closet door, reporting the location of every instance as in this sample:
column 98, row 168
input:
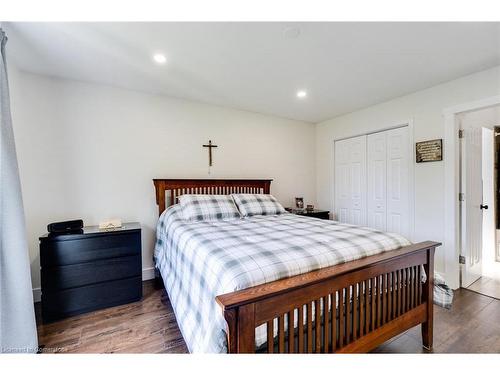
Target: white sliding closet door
column 398, row 181
column 350, row 180
column 377, row 181
column 372, row 180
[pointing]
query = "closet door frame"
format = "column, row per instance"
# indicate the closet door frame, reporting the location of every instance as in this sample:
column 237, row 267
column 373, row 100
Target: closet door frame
column 411, row 169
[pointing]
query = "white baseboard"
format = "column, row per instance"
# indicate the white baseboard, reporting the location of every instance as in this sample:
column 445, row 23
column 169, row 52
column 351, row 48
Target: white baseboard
column 147, row 274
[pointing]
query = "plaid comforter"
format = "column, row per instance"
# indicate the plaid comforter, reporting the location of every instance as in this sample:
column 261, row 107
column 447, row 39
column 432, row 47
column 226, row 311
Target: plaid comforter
column 200, row 260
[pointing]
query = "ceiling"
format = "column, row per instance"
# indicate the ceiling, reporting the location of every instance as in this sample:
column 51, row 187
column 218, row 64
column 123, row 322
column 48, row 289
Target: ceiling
column 259, row 66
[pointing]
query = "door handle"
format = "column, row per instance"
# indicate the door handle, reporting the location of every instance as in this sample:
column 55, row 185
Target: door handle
column 483, row 207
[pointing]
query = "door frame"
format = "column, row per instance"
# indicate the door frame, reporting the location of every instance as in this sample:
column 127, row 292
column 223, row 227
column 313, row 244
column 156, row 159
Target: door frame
column 411, row 168
column 451, row 157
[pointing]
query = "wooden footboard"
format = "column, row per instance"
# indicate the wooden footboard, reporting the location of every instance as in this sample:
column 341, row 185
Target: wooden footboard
column 348, row 308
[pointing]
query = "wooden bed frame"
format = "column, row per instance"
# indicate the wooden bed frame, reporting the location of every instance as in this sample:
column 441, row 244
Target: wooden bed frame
column 379, row 296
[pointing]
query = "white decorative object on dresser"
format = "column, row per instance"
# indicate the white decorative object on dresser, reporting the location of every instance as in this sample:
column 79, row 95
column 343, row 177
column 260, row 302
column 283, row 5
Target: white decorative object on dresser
column 372, row 180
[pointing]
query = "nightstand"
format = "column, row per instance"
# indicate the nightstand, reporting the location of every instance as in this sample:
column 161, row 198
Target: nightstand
column 91, row 270
column 320, row 214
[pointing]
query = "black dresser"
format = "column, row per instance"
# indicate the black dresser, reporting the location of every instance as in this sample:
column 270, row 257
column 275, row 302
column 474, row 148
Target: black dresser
column 90, row 270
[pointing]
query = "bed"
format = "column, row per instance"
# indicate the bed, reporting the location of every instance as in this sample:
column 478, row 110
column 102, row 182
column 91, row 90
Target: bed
column 287, row 283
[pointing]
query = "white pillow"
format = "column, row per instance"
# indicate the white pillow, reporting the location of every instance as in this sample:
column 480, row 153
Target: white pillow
column 208, row 207
column 258, row 204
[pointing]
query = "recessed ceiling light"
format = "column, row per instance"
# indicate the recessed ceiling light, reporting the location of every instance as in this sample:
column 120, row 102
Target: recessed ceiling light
column 291, row 32
column 301, row 94
column 159, row 58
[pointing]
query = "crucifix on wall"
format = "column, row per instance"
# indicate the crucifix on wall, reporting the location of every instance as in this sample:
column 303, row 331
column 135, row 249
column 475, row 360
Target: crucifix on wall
column 210, row 146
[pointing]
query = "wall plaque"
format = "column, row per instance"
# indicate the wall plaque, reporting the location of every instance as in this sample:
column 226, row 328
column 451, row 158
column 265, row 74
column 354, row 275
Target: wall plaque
column 429, row 150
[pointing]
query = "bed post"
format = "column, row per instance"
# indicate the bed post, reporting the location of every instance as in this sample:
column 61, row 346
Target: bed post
column 160, row 195
column 267, row 187
column 232, row 334
column 428, row 296
column 241, row 329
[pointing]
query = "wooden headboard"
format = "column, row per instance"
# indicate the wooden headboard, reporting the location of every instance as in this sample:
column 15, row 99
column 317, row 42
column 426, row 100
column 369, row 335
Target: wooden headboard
column 168, row 190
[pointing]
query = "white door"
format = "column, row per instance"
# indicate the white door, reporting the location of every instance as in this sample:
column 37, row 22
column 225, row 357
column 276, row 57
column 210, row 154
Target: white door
column 377, row 181
column 398, row 181
column 471, row 205
column 489, row 225
column 350, row 180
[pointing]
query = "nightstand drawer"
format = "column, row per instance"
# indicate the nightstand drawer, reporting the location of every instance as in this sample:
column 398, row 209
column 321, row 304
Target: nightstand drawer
column 54, row 253
column 319, row 215
column 75, row 301
column 75, row 275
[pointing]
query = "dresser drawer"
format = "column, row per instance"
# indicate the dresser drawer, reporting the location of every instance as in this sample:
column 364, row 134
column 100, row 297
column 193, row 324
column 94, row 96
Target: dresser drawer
column 69, row 302
column 74, row 275
column 55, row 253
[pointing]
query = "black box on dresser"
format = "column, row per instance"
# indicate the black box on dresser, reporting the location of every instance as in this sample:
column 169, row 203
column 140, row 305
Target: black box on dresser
column 90, row 270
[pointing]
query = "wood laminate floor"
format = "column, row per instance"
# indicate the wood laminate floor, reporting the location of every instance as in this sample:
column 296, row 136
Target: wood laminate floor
column 149, row 326
column 487, row 286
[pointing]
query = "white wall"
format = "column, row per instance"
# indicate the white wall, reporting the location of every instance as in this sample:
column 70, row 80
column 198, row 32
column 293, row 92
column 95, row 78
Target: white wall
column 425, row 109
column 486, row 117
column 89, row 151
